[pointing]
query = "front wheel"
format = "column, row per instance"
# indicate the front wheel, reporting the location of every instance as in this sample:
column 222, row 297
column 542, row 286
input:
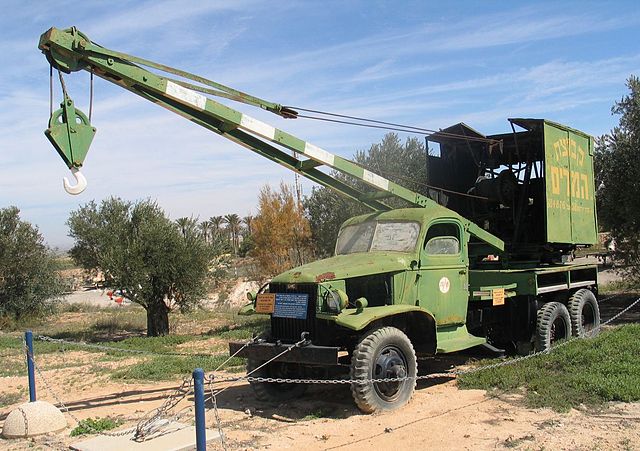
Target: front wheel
column 386, row 353
column 275, row 391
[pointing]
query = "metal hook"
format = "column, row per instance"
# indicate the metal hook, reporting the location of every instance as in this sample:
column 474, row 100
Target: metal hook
column 79, row 186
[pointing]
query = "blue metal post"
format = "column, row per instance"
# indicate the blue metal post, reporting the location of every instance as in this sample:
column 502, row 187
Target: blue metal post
column 28, row 338
column 198, row 389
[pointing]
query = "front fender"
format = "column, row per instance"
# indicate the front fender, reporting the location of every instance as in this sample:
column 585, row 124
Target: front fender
column 354, row 320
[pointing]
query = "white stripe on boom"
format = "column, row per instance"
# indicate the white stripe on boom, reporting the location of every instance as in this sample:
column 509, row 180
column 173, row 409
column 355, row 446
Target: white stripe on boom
column 257, row 127
column 319, row 154
column 376, row 180
column 186, row 95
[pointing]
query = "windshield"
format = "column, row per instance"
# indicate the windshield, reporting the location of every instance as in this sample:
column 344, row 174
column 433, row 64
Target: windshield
column 370, row 236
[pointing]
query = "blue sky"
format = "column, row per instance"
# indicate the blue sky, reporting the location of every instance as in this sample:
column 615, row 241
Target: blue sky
column 415, row 62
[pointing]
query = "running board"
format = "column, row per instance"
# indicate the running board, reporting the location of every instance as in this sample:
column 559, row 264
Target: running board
column 456, row 338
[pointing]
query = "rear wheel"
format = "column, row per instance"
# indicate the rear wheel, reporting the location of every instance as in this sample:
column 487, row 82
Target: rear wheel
column 553, row 325
column 386, row 353
column 584, row 312
column 275, row 391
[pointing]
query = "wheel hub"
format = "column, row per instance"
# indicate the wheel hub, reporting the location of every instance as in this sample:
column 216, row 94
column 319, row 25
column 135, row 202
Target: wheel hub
column 390, row 364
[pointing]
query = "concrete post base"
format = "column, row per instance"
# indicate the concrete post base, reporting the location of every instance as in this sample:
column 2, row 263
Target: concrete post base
column 33, row 418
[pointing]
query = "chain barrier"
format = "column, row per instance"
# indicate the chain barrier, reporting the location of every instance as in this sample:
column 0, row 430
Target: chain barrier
column 450, row 374
column 82, row 344
column 64, row 407
column 146, row 426
column 613, row 296
column 216, row 415
column 303, row 340
column 211, row 379
column 253, row 340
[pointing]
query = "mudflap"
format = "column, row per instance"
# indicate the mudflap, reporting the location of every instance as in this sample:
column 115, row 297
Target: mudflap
column 308, row 354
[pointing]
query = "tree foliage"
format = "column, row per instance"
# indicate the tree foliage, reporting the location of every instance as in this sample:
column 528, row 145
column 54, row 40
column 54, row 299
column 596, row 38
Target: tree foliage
column 234, row 229
column 280, row 231
column 617, row 166
column 403, row 163
column 28, row 278
column 154, row 262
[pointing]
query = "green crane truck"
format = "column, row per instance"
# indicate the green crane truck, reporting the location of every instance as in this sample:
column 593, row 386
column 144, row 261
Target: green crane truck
column 483, row 259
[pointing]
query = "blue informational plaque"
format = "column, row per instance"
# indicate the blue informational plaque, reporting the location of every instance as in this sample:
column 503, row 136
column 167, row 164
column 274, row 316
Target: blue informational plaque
column 291, row 305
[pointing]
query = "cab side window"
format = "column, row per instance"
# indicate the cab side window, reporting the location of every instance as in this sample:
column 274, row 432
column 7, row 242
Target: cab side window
column 443, row 239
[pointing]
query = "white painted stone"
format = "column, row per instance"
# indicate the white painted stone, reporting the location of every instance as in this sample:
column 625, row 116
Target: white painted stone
column 33, row 418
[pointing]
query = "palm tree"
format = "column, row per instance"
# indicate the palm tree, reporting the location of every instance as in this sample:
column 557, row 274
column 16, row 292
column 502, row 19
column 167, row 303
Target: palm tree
column 233, row 227
column 216, row 222
column 186, row 225
column 247, row 221
column 205, row 227
column 183, row 224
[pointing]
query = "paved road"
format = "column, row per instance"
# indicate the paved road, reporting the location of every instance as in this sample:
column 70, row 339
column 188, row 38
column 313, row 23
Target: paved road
column 96, row 298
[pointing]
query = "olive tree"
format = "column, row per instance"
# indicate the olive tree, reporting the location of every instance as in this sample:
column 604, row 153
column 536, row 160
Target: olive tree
column 29, row 282
column 617, row 165
column 140, row 251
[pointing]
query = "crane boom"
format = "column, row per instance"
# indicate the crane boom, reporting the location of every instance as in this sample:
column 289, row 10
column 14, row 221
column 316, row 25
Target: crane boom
column 70, row 50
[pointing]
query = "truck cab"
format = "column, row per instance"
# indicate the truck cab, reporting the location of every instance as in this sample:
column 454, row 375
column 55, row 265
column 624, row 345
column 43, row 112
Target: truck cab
column 411, row 262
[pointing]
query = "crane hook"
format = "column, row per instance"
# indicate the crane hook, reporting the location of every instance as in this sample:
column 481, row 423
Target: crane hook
column 79, row 186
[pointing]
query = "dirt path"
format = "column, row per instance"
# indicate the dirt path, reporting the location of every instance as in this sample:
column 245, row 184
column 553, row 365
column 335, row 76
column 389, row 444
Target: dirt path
column 440, row 416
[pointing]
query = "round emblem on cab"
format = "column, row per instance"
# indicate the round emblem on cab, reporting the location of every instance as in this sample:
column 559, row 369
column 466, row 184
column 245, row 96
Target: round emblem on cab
column 444, row 285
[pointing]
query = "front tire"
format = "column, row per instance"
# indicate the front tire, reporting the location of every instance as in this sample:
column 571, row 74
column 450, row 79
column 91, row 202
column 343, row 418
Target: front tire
column 275, row 391
column 553, row 325
column 584, row 312
column 384, row 353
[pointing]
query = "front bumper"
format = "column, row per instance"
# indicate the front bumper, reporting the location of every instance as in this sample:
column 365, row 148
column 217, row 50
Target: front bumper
column 308, row 354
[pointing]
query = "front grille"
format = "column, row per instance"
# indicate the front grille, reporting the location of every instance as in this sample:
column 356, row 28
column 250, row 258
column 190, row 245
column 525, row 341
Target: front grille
column 288, row 330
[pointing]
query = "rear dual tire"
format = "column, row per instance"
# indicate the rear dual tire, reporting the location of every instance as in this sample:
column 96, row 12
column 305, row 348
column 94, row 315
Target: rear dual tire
column 585, row 313
column 553, row 325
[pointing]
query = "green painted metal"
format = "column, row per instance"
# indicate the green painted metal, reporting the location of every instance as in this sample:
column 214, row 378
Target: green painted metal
column 438, row 284
column 354, row 320
column 456, row 338
column 443, row 279
column 346, row 266
column 71, row 138
column 530, row 281
column 570, row 193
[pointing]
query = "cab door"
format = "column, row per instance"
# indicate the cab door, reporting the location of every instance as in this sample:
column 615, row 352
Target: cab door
column 443, row 273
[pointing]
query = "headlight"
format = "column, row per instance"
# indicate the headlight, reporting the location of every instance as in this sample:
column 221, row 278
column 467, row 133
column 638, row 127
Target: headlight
column 336, row 300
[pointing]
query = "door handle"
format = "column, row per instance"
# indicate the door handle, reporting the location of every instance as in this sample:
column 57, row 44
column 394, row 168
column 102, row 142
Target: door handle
column 462, row 272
